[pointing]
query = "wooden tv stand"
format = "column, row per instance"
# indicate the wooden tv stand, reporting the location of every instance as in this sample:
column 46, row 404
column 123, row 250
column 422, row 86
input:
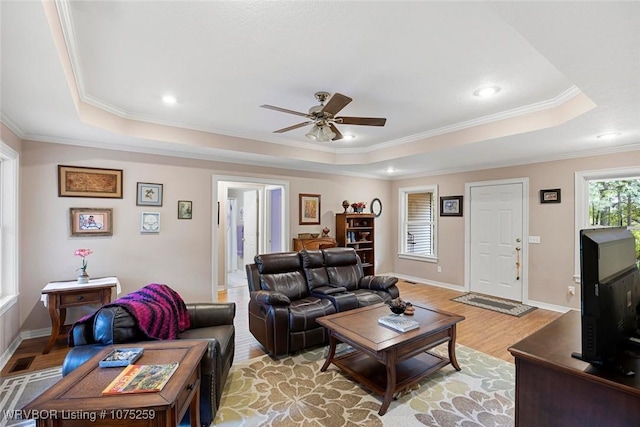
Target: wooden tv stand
column 555, row 389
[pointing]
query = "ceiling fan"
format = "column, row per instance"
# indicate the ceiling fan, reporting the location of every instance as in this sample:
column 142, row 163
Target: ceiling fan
column 323, row 117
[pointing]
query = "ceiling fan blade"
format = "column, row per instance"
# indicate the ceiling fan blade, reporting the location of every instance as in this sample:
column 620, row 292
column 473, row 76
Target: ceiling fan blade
column 284, row 110
column 299, row 125
column 337, row 102
column 365, row 121
column 335, row 130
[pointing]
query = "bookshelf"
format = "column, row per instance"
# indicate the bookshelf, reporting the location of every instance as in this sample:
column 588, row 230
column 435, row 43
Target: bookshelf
column 357, row 231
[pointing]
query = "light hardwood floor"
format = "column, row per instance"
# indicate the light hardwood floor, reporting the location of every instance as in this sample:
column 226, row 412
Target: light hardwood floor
column 484, row 330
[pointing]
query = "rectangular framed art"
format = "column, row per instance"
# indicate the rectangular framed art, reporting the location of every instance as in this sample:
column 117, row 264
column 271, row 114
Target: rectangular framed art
column 451, row 206
column 149, row 194
column 91, row 222
column 74, row 181
column 550, row 196
column 309, row 209
column 150, row 222
column 185, row 209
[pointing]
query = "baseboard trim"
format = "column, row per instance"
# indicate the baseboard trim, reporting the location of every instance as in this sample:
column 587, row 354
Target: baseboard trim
column 429, row 282
column 23, row 335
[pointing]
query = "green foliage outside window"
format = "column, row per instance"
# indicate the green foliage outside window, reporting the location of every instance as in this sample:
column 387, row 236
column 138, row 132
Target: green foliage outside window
column 616, row 203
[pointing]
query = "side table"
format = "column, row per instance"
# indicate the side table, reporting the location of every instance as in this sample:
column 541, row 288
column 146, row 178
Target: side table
column 58, row 296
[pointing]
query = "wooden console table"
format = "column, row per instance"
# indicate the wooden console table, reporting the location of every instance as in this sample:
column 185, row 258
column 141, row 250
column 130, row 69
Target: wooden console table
column 555, row 390
column 58, row 296
column 313, row 243
column 77, row 400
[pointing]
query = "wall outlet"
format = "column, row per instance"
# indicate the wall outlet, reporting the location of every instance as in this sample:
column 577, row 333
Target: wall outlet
column 439, row 269
column 571, row 290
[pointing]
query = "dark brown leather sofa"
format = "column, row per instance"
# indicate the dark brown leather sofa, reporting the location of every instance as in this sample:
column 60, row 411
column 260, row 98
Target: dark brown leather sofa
column 290, row 290
column 212, row 322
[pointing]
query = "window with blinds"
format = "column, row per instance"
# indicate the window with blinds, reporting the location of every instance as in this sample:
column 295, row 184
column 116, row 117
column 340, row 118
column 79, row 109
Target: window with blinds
column 418, row 225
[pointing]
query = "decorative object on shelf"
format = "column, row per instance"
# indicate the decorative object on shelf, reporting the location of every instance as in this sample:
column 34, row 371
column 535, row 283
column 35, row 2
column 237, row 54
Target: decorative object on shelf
column 304, row 235
column 91, row 222
column 315, row 235
column 83, row 277
column 358, row 207
column 345, row 205
column 76, row 181
column 185, row 209
column 325, row 232
column 364, row 235
column 149, row 194
column 376, row 207
column 150, row 222
column 550, row 196
column 451, row 206
column 309, row 209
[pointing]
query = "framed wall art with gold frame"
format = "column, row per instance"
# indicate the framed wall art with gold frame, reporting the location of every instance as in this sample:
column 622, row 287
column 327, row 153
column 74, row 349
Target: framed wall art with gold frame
column 76, row 181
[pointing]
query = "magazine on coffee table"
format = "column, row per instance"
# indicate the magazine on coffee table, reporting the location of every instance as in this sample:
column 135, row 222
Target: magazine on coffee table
column 399, row 323
column 121, row 357
column 141, row 379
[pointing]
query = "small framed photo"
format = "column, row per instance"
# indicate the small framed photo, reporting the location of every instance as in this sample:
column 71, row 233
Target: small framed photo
column 91, row 222
column 149, row 194
column 150, row 222
column 451, row 206
column 550, row 196
column 309, row 209
column 185, row 209
column 74, row 181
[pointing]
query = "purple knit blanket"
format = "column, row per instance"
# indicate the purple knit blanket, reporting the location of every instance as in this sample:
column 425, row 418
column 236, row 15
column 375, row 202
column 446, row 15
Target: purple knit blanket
column 159, row 311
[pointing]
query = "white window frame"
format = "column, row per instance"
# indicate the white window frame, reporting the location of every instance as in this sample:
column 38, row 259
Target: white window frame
column 402, row 209
column 581, row 210
column 9, row 270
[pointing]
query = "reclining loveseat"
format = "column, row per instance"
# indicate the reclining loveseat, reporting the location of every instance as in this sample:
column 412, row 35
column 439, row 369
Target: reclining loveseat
column 290, row 290
column 208, row 321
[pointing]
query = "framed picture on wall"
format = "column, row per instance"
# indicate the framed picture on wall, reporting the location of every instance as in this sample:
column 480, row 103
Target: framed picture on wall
column 309, row 209
column 550, row 196
column 451, row 206
column 75, row 181
column 185, row 209
column 149, row 194
column 91, row 222
column 150, row 222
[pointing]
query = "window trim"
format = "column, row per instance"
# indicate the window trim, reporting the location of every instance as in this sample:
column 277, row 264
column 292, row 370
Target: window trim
column 402, row 194
column 9, row 220
column 581, row 198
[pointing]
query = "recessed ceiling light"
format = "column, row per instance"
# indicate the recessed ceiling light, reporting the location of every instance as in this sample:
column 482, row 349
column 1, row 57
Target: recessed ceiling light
column 389, row 170
column 486, row 91
column 169, row 99
column 609, row 135
column 348, row 136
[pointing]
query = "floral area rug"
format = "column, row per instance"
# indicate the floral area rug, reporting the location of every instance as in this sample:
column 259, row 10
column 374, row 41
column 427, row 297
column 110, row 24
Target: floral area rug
column 18, row 390
column 292, row 391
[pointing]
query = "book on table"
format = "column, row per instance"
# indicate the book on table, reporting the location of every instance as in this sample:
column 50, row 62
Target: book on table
column 398, row 322
column 141, row 379
column 121, row 357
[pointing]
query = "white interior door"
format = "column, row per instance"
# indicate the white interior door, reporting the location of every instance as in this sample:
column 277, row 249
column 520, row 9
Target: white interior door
column 250, row 218
column 496, row 232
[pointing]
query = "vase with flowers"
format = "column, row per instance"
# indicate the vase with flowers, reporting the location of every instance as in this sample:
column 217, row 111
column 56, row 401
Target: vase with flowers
column 83, row 277
column 358, row 207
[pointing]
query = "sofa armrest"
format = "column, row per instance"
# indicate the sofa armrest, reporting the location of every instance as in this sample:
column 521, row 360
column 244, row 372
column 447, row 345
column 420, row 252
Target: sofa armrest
column 81, row 334
column 377, row 283
column 205, row 314
column 328, row 290
column 270, row 298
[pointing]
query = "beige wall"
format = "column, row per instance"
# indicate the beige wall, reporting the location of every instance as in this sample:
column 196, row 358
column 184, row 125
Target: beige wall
column 551, row 263
column 180, row 255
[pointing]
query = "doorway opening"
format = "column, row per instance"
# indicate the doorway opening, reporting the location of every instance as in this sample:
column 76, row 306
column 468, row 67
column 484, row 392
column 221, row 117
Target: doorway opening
column 251, row 220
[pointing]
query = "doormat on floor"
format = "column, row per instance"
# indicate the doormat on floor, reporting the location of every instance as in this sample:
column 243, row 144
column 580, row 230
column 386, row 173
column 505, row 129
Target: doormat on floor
column 507, row 307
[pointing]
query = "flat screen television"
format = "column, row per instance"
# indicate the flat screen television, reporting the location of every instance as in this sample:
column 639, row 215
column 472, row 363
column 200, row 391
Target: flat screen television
column 610, row 294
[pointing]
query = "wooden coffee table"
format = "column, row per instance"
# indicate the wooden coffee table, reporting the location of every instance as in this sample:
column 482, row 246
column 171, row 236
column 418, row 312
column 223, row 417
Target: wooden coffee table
column 77, row 400
column 384, row 360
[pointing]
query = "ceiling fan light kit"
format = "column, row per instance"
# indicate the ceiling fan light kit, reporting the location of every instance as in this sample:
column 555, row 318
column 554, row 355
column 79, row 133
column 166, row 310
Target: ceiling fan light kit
column 323, row 117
